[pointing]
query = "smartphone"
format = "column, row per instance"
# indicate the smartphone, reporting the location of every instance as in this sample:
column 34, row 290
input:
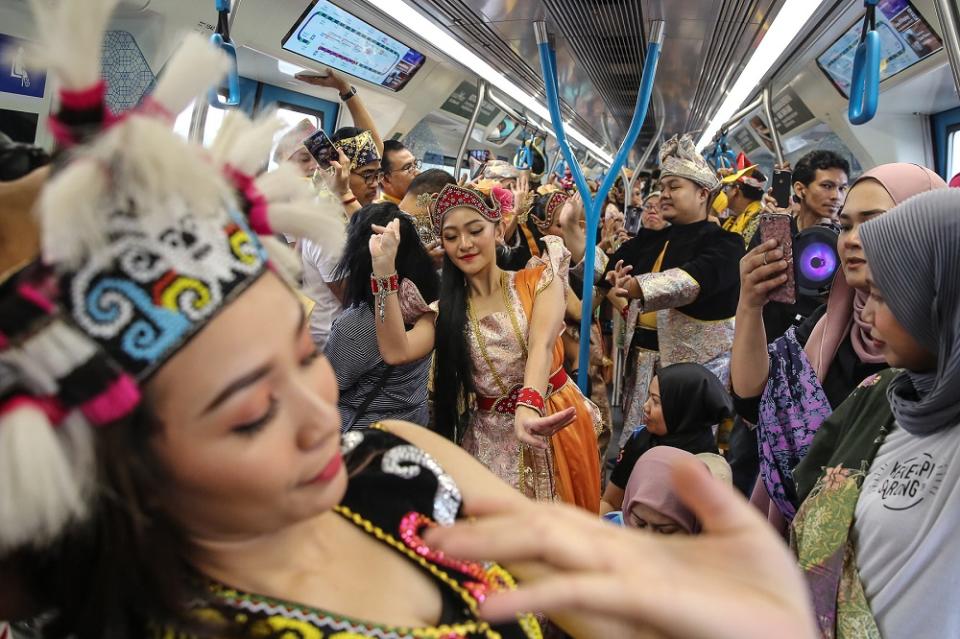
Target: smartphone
column 776, row 226
column 782, row 183
column 302, row 75
column 321, row 147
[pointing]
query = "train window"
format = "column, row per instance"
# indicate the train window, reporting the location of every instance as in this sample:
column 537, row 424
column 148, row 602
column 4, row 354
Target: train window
column 953, row 151
column 211, row 125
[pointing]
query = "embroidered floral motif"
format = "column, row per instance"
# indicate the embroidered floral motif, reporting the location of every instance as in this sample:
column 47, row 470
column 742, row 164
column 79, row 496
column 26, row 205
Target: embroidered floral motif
column 792, row 409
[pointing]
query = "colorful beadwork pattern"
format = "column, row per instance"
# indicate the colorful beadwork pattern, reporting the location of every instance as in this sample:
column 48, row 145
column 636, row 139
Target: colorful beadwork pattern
column 156, row 284
column 453, row 196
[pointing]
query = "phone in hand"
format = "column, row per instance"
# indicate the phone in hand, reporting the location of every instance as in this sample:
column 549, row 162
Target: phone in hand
column 782, row 183
column 321, row 147
column 776, row 226
column 306, row 75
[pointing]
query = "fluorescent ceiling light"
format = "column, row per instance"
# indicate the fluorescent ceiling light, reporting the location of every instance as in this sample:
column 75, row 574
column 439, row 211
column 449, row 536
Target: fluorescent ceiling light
column 288, row 69
column 788, row 23
column 410, row 18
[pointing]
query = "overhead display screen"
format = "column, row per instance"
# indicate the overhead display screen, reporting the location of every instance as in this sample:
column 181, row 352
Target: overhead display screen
column 327, row 34
column 905, row 39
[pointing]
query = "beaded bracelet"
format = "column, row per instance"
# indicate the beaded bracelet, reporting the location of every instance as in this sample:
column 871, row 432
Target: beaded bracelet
column 532, row 399
column 382, row 287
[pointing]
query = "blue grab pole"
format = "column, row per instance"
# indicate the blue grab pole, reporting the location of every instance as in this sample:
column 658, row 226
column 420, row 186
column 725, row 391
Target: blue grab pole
column 592, row 204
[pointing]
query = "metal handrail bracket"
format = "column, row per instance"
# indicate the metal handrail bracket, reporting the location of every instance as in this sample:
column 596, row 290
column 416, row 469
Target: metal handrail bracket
column 481, row 95
column 594, row 203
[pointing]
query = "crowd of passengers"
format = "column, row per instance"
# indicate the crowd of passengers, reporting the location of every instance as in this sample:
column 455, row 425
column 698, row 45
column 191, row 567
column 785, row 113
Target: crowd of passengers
column 340, row 401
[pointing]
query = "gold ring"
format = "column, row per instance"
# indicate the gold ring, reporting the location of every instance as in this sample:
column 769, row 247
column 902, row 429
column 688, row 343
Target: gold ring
column 765, row 258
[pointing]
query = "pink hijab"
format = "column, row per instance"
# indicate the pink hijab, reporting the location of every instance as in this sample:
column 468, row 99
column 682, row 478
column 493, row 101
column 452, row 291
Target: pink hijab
column 845, row 305
column 651, row 484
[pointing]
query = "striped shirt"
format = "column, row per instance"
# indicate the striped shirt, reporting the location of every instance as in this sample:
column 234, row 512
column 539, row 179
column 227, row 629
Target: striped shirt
column 352, row 350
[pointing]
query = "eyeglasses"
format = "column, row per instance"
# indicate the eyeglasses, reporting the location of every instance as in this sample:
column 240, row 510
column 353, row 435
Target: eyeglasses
column 407, row 168
column 371, row 177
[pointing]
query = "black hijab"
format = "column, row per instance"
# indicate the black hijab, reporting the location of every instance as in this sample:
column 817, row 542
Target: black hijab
column 693, row 401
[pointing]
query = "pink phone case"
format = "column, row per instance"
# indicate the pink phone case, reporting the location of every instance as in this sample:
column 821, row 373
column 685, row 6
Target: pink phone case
column 777, row 227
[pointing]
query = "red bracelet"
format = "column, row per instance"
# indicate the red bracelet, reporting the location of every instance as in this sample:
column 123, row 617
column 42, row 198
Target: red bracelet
column 531, row 398
column 386, row 284
column 348, row 202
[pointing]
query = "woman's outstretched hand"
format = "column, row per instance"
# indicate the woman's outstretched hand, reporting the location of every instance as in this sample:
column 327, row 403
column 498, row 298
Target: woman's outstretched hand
column 384, row 244
column 535, row 431
column 736, row 580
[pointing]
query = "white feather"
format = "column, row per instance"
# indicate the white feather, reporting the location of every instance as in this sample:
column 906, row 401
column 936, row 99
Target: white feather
column 284, row 184
column 39, row 494
column 245, row 144
column 71, row 39
column 71, row 212
column 193, row 68
column 285, row 260
column 321, row 224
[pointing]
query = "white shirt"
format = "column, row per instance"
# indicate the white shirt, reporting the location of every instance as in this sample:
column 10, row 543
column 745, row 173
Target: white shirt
column 906, row 535
column 317, row 274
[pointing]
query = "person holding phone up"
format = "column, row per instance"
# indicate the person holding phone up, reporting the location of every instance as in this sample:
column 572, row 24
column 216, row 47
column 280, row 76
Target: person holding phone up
column 789, row 388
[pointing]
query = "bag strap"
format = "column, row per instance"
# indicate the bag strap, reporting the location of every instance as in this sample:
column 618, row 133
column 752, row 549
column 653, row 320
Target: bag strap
column 362, row 409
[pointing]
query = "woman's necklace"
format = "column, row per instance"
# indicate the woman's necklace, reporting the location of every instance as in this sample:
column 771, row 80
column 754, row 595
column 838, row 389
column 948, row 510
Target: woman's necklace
column 482, row 343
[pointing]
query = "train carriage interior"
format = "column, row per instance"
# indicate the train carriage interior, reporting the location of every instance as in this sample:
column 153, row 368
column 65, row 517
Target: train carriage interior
column 751, row 313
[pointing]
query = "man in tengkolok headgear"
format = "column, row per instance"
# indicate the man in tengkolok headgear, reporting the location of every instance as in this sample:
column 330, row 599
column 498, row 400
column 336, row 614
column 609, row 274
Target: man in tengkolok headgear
column 682, row 281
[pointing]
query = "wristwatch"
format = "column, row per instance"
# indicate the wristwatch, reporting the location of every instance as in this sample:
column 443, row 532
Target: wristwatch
column 349, row 94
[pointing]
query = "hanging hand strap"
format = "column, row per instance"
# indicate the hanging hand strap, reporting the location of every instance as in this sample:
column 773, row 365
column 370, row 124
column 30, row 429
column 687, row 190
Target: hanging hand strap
column 865, row 83
column 221, row 40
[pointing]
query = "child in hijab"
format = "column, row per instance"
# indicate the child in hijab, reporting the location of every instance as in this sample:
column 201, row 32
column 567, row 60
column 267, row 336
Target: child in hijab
column 685, row 402
column 876, row 532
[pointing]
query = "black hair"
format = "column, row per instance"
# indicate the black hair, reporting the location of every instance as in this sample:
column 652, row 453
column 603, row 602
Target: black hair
column 413, row 261
column 753, row 193
column 18, row 160
column 345, row 132
column 806, row 169
column 453, row 371
column 430, row 181
column 390, row 146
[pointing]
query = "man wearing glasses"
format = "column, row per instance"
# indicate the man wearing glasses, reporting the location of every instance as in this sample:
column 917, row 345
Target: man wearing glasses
column 398, row 167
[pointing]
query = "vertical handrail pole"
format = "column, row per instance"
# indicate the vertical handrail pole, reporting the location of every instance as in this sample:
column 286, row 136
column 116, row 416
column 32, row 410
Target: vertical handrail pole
column 481, row 95
column 768, row 110
column 654, row 141
column 593, row 204
column 949, row 15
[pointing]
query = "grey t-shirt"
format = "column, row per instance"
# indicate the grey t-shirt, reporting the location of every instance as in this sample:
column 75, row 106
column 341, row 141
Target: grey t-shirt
column 906, row 535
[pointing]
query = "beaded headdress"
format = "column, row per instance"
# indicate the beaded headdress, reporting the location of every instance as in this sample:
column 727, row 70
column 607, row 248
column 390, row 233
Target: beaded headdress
column 452, row 196
column 679, row 157
column 547, row 209
column 360, row 150
column 144, row 238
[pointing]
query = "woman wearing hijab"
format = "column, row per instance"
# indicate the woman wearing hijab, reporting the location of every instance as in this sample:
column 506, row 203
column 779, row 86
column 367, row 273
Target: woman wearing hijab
column 651, row 502
column 877, row 530
column 789, row 389
column 685, row 402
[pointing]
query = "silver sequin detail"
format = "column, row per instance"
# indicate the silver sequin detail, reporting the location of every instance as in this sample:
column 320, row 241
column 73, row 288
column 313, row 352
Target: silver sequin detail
column 685, row 339
column 349, row 441
column 671, row 289
column 406, row 462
